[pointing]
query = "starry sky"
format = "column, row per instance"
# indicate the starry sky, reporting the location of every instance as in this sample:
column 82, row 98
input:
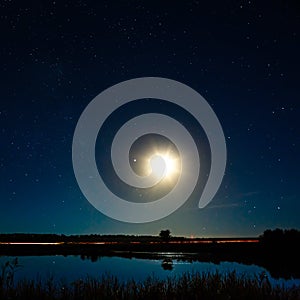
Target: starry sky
column 241, row 56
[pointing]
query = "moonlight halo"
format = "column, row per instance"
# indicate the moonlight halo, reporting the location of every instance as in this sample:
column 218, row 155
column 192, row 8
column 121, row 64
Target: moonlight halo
column 99, row 109
column 164, row 165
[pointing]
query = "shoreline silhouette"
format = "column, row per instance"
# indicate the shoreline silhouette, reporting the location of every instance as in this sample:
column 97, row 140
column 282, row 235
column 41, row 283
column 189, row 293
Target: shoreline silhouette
column 275, row 250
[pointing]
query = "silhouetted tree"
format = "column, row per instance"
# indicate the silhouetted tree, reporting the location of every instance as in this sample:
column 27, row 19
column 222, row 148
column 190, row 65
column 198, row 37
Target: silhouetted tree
column 281, row 237
column 165, row 235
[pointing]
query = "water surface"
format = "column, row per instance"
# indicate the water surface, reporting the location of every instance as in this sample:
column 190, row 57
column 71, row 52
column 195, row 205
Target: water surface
column 71, row 268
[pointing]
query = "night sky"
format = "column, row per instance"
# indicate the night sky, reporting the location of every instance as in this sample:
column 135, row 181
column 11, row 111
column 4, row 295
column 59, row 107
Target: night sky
column 241, row 56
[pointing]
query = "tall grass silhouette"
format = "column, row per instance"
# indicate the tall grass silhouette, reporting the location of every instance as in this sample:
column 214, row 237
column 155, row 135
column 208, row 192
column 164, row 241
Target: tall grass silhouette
column 193, row 285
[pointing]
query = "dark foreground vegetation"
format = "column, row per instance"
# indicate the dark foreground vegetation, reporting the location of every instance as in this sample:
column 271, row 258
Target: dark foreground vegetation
column 187, row 286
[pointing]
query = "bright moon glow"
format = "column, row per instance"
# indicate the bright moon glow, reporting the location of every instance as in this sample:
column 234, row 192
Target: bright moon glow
column 163, row 165
column 158, row 165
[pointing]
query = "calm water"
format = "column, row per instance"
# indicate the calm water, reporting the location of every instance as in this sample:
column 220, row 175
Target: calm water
column 71, row 268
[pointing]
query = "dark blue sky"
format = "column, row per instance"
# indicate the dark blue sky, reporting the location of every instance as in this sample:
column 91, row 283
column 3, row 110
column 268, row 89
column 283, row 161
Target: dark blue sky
column 242, row 56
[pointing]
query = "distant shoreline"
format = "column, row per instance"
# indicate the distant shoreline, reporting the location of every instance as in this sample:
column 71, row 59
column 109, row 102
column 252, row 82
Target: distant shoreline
column 276, row 250
column 246, row 251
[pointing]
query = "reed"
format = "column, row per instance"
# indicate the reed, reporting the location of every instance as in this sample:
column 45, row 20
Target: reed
column 186, row 286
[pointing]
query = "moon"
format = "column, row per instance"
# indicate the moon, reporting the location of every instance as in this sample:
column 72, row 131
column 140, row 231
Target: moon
column 163, row 166
column 158, row 166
